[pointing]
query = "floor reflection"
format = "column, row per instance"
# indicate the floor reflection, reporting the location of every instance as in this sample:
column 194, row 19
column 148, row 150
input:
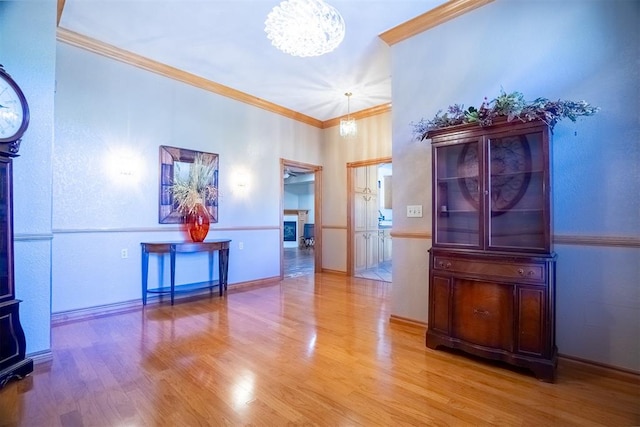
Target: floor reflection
column 299, row 262
column 381, row 272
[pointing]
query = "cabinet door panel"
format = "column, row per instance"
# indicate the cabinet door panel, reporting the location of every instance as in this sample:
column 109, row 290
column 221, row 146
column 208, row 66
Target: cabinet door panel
column 373, row 248
column 360, row 251
column 531, row 320
column 360, row 179
column 483, row 313
column 365, row 250
column 366, row 179
column 365, row 212
column 440, row 288
column 388, row 246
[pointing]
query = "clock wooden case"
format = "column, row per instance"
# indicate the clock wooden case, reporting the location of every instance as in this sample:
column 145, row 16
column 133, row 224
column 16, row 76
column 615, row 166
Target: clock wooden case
column 492, row 265
column 14, row 119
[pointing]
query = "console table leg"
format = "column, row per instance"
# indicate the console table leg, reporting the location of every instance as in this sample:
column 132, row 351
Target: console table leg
column 223, row 267
column 173, row 273
column 211, row 256
column 145, row 272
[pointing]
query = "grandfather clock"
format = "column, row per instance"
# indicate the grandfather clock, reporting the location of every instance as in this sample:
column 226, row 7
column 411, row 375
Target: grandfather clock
column 14, row 119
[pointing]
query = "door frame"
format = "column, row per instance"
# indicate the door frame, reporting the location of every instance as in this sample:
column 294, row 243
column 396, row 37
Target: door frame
column 317, row 211
column 350, row 208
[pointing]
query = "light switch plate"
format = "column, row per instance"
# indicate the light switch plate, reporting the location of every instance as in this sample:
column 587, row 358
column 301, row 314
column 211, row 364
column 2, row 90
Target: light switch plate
column 414, row 211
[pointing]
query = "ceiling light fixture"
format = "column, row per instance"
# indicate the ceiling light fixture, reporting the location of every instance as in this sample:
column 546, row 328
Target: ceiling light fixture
column 348, row 126
column 305, row 27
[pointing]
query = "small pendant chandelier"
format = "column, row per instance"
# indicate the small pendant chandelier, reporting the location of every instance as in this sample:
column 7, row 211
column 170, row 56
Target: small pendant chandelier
column 348, row 126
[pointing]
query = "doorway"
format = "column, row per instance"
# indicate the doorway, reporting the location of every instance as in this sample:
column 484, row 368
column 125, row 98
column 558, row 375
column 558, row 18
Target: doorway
column 301, row 221
column 370, row 218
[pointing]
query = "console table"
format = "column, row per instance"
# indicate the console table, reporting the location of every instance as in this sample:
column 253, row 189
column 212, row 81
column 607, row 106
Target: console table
column 172, row 248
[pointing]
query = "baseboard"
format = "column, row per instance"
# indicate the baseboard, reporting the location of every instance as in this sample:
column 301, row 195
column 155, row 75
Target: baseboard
column 125, row 306
column 405, row 321
column 601, row 369
column 338, row 272
column 96, row 311
column 243, row 286
column 41, row 357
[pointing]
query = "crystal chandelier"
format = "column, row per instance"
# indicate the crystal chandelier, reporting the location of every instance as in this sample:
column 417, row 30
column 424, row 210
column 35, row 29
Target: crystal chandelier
column 304, row 27
column 348, row 126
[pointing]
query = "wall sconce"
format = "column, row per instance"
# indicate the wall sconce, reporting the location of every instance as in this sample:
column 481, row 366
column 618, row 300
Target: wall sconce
column 123, row 166
column 241, row 180
column 126, row 166
column 241, row 183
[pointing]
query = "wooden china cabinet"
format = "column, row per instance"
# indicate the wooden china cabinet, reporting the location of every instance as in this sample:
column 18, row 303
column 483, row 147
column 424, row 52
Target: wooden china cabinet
column 492, row 265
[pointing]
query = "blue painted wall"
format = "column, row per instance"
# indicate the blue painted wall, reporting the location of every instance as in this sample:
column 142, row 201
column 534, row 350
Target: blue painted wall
column 558, row 49
column 27, row 51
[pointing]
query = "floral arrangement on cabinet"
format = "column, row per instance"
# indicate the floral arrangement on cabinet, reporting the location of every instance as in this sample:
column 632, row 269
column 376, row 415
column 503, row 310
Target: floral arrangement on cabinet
column 513, row 106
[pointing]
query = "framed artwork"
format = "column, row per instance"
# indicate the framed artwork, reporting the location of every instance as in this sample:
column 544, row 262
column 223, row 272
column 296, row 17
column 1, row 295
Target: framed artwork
column 176, row 162
column 290, row 231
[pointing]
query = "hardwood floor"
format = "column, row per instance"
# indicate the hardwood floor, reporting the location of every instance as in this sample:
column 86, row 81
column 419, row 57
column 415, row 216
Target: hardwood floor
column 311, row 350
column 381, row 272
column 298, row 261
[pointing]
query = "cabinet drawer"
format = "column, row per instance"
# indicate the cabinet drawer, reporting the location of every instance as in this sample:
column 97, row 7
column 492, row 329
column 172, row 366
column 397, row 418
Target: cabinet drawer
column 511, row 270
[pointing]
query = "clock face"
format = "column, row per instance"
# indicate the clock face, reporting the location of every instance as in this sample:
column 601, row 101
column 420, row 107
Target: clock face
column 14, row 113
column 510, row 172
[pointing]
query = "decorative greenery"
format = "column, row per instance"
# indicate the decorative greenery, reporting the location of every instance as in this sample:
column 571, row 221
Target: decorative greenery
column 197, row 187
column 512, row 106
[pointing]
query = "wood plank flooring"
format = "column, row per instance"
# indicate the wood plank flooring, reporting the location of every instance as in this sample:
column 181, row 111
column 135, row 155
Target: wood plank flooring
column 298, row 261
column 311, row 350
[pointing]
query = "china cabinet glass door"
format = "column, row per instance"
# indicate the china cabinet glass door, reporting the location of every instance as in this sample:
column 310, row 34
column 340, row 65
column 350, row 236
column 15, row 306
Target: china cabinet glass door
column 457, row 211
column 516, row 192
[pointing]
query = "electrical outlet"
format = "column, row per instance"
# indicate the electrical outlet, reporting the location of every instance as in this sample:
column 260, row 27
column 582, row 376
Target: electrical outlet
column 124, row 253
column 414, row 211
column 241, row 245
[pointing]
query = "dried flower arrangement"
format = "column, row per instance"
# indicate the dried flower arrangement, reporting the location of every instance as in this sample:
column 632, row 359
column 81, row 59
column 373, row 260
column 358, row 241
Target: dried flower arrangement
column 512, row 106
column 197, row 187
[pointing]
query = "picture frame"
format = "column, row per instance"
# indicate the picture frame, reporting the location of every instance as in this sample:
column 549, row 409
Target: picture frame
column 290, row 231
column 176, row 160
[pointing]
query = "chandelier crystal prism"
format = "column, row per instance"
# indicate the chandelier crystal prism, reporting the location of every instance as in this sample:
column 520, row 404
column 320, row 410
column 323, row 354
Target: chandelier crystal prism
column 305, row 27
column 348, row 126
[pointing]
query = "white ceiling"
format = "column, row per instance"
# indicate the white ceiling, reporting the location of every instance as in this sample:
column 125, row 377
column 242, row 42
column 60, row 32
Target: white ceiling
column 225, row 42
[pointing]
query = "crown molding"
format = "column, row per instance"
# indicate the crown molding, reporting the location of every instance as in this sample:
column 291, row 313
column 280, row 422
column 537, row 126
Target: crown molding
column 92, row 45
column 78, row 40
column 362, row 114
column 436, row 16
column 60, row 9
column 414, row 26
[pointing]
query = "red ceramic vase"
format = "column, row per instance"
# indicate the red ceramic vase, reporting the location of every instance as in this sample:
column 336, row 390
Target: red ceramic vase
column 198, row 223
